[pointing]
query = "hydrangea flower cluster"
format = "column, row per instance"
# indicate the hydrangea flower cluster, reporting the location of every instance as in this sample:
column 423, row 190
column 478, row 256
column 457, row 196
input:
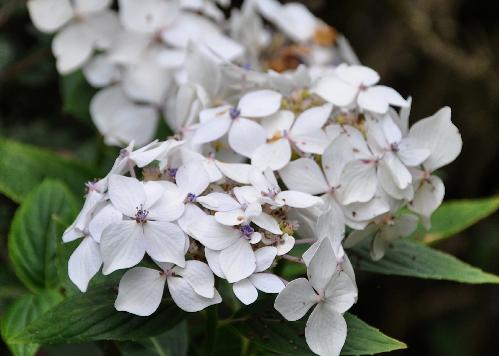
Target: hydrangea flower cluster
column 260, row 161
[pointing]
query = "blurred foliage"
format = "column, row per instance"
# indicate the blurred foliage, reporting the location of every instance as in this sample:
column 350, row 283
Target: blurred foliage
column 440, row 52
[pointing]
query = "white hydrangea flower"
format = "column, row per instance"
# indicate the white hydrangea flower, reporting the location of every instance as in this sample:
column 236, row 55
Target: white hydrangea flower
column 441, row 137
column 191, row 288
column 384, row 230
column 84, row 26
column 331, row 291
column 283, row 131
column 356, row 85
column 244, row 134
column 146, row 226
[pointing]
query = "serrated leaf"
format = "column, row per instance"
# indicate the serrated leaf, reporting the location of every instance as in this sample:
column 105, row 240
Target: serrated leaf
column 21, row 313
column 76, row 95
column 91, row 316
column 455, row 216
column 34, row 234
column 408, row 257
column 267, row 330
column 23, row 167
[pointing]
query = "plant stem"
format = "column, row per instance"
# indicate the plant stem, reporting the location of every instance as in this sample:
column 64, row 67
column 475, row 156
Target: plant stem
column 305, row 241
column 293, row 259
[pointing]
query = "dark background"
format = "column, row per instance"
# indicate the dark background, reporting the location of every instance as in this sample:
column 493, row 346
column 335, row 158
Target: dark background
column 442, row 52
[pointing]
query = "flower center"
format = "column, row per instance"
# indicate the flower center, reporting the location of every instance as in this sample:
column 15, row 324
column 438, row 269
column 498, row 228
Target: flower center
column 190, row 198
column 172, row 172
column 234, row 113
column 246, row 230
column 394, row 147
column 141, row 215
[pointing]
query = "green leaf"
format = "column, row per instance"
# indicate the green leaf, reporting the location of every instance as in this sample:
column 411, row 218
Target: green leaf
column 267, row 330
column 172, row 343
column 24, row 166
column 76, row 95
column 454, row 216
column 91, row 316
column 21, row 313
column 407, row 257
column 34, row 234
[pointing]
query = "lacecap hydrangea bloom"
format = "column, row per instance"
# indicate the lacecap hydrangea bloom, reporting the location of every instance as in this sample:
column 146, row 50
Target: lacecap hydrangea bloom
column 280, row 138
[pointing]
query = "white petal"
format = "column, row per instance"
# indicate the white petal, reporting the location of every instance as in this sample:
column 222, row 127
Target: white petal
column 238, row 261
column 326, row 331
column 84, row 263
column 277, row 123
column 410, row 154
column 313, row 142
column 146, row 80
column 218, row 202
column 357, row 74
column 170, row 205
column 389, row 182
column 265, row 257
column 260, row 103
column 100, row 72
column 297, row 199
column 438, row 134
column 120, row 120
column 213, row 259
column 121, row 246
column 90, row 6
column 147, row 16
column 230, row 218
column 428, row 196
column 76, row 229
column 127, row 194
column 267, row 222
column 224, row 46
column 245, row 136
column 400, row 174
column 378, row 247
column 274, row 155
column 267, row 282
column 207, row 230
column 245, row 291
column 295, row 299
column 335, row 90
column 102, row 219
column 311, row 120
column 341, row 293
column 238, row 172
column 164, row 242
column 304, row 175
column 192, row 178
column 285, row 244
column 364, row 212
column 199, row 276
column 140, row 291
column 357, row 236
column 358, row 182
column 331, row 224
column 72, row 47
column 49, row 15
column 211, row 130
column 322, row 266
column 186, row 298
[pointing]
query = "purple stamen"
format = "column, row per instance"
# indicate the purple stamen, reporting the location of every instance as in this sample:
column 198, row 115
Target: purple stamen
column 141, row 216
column 246, row 230
column 394, row 147
column 124, row 152
column 190, row 198
column 234, row 113
column 172, row 172
column 246, row 66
